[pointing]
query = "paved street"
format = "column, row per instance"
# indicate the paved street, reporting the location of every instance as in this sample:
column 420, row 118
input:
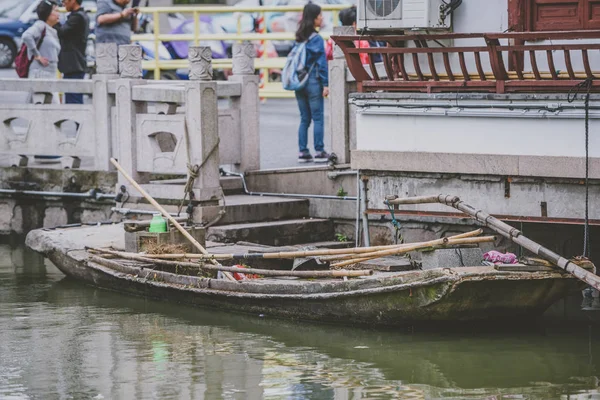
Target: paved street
column 279, row 121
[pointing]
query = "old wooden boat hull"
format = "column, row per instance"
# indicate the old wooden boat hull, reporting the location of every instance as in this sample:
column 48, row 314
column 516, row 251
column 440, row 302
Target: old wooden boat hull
column 387, row 298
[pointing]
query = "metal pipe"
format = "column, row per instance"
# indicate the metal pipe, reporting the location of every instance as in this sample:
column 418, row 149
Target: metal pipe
column 126, row 211
column 335, row 174
column 91, row 194
column 302, row 196
column 548, row 105
column 365, row 216
column 357, row 224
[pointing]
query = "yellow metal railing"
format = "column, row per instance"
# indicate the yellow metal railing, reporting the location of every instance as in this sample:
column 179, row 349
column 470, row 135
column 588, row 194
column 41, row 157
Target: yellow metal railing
column 270, row 89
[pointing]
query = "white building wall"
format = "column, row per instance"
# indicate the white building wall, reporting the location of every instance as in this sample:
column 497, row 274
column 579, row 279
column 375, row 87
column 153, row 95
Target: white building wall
column 432, row 131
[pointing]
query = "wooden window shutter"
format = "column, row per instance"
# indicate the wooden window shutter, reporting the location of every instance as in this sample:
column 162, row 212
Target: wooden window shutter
column 556, row 15
column 592, row 14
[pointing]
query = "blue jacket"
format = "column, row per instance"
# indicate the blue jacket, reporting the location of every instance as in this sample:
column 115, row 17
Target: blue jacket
column 315, row 54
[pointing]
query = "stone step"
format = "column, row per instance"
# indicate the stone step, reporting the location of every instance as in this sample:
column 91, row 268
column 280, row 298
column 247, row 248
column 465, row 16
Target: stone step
column 245, row 209
column 275, row 233
column 230, row 184
column 241, row 208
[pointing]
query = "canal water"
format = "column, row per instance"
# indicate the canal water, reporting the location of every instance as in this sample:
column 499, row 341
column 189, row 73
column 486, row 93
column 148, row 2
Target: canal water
column 60, row 339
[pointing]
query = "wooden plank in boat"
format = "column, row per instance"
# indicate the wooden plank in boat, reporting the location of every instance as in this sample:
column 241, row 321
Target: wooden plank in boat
column 389, row 264
column 522, row 268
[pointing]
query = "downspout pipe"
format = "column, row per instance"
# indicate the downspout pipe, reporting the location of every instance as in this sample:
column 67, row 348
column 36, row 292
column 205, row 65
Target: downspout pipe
column 302, row 196
column 365, row 206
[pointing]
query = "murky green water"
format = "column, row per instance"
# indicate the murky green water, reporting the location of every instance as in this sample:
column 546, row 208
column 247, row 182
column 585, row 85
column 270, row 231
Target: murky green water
column 60, row 340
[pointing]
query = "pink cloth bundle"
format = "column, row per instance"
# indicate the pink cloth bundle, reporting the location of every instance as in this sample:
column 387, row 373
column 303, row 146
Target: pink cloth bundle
column 500, row 258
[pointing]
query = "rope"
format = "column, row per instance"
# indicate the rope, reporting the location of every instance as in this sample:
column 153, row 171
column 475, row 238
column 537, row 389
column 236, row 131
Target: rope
column 193, row 173
column 586, row 86
column 395, row 222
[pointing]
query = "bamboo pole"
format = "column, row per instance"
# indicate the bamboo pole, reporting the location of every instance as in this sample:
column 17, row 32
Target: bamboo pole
column 507, row 231
column 166, row 214
column 416, row 246
column 295, row 254
column 405, row 245
column 265, row 272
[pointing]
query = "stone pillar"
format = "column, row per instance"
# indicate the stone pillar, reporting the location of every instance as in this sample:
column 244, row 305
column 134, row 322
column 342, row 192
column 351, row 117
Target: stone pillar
column 107, row 68
column 243, row 58
column 248, row 104
column 202, row 122
column 338, row 100
column 130, row 61
column 200, row 59
column 130, row 69
column 107, row 61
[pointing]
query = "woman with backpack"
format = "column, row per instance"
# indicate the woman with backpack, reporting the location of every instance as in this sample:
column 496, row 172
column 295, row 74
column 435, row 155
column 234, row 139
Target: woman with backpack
column 310, row 97
column 42, row 42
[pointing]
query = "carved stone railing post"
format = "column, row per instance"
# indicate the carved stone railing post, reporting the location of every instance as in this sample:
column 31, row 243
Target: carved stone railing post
column 248, row 104
column 200, row 59
column 107, row 69
column 130, row 69
column 338, row 100
column 202, row 126
column 202, row 122
column 130, row 61
column 107, row 61
column 243, row 58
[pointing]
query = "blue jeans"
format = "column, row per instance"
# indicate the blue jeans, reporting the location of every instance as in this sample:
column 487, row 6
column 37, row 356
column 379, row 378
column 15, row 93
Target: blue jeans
column 311, row 105
column 74, row 98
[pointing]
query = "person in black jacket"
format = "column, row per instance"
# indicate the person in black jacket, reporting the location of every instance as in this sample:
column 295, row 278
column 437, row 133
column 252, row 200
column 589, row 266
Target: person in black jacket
column 73, row 40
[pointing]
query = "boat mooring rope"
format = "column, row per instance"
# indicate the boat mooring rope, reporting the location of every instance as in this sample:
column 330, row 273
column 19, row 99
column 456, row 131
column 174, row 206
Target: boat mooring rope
column 586, row 86
column 397, row 234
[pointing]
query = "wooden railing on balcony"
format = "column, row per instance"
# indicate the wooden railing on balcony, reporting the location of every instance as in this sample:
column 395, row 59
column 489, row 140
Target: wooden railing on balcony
column 488, row 62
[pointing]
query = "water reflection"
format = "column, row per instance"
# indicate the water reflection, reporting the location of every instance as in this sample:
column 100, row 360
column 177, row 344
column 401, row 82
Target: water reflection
column 62, row 339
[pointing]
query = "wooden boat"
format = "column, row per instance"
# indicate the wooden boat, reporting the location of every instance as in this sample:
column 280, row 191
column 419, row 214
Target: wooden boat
column 447, row 294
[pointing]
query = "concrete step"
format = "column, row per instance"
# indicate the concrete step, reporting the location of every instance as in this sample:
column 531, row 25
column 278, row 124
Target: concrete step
column 275, row 233
column 241, row 208
column 244, row 209
column 230, row 184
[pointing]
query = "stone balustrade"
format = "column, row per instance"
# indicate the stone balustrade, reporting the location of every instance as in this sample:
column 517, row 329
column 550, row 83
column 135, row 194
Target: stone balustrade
column 151, row 127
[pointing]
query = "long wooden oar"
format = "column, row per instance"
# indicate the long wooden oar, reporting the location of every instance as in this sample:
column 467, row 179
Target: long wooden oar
column 507, row 231
column 295, row 254
column 265, row 272
column 166, row 215
column 413, row 247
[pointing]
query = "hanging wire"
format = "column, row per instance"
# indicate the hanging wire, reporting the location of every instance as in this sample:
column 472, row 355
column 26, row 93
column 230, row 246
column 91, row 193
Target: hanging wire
column 585, row 86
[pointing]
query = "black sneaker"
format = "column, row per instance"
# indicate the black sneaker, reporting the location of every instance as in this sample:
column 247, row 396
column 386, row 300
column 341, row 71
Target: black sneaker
column 322, row 156
column 304, row 158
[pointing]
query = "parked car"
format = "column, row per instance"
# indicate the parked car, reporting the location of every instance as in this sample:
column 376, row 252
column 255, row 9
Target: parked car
column 13, row 22
column 18, row 15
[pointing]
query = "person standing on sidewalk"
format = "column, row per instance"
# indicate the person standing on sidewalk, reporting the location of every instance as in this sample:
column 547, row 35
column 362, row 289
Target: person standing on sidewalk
column 114, row 21
column 43, row 44
column 311, row 97
column 73, row 40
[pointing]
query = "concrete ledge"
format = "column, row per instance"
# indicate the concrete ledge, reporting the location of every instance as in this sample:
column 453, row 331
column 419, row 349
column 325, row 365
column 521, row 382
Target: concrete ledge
column 467, row 96
column 485, row 164
column 314, row 180
column 175, row 93
column 47, row 85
